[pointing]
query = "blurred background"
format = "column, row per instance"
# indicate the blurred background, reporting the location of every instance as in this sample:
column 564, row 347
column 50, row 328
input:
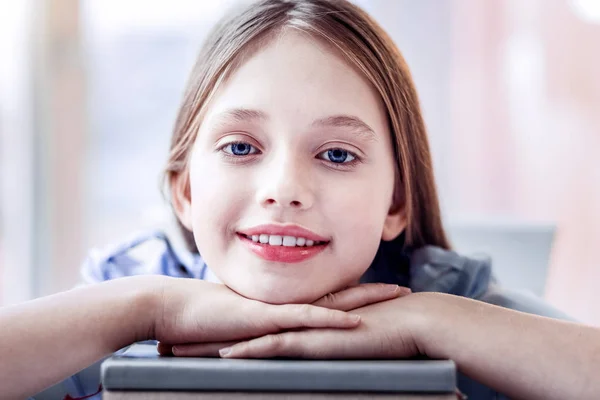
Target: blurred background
column 510, row 91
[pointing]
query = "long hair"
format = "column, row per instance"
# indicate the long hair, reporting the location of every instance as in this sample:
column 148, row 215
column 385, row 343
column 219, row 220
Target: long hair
column 365, row 45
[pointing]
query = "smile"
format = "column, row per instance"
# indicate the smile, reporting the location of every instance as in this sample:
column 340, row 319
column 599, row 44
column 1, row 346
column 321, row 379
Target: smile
column 283, row 243
column 279, row 240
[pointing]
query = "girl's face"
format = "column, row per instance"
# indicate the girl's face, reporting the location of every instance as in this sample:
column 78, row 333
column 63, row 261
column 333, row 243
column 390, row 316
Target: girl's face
column 295, row 151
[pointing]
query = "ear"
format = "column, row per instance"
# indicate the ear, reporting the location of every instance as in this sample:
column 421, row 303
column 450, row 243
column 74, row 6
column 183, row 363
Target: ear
column 394, row 225
column 396, row 221
column 181, row 199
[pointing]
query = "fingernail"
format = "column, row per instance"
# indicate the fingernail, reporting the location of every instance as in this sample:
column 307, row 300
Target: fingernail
column 405, row 290
column 174, row 350
column 393, row 288
column 355, row 317
column 224, row 351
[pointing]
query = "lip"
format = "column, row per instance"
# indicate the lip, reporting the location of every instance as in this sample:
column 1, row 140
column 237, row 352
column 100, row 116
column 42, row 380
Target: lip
column 282, row 254
column 284, row 230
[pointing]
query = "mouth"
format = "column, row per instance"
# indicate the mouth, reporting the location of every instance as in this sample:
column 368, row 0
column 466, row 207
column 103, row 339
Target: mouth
column 285, row 244
column 283, row 240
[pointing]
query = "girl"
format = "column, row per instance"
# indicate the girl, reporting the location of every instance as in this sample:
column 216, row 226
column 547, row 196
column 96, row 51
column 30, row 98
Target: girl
column 299, row 167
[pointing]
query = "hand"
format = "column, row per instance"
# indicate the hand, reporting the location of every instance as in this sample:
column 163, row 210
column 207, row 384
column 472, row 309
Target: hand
column 194, row 311
column 348, row 299
column 389, row 329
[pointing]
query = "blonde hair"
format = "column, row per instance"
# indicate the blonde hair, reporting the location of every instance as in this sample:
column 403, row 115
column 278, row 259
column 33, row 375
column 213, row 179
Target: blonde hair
column 366, row 46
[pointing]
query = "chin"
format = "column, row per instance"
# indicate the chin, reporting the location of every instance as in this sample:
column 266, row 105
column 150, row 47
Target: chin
column 282, row 296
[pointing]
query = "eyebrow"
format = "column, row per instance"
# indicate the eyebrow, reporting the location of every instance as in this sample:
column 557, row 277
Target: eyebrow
column 354, row 124
column 242, row 115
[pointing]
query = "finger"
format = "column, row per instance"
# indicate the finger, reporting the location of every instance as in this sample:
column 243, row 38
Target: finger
column 164, row 349
column 274, row 345
column 300, row 344
column 292, row 316
column 200, row 349
column 361, row 295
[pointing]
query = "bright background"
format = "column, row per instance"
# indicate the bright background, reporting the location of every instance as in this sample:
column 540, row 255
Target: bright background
column 89, row 89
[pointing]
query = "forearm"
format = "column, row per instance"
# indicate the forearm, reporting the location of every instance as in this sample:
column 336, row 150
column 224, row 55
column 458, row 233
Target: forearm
column 521, row 355
column 48, row 339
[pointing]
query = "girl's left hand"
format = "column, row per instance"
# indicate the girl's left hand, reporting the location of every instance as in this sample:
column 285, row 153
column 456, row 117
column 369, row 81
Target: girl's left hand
column 389, row 329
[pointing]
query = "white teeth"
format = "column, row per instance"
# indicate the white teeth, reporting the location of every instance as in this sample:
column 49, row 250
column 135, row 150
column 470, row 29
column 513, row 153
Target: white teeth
column 275, row 240
column 289, row 241
column 278, row 240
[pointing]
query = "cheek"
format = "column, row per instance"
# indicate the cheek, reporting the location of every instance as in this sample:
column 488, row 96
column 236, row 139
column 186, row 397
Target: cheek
column 359, row 224
column 358, row 217
column 216, row 202
column 360, row 204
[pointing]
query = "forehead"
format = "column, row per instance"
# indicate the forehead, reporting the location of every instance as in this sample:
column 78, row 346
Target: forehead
column 296, row 77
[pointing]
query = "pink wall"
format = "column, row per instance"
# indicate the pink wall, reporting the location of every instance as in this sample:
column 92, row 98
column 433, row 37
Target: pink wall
column 526, row 130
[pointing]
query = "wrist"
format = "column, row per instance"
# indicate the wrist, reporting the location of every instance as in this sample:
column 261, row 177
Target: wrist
column 429, row 323
column 142, row 298
column 445, row 322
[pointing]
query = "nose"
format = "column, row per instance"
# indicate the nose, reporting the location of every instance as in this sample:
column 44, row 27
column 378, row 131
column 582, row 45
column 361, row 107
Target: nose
column 285, row 183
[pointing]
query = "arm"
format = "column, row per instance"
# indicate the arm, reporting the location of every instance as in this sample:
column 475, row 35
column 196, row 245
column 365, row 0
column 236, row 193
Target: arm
column 518, row 354
column 46, row 340
column 51, row 338
column 521, row 355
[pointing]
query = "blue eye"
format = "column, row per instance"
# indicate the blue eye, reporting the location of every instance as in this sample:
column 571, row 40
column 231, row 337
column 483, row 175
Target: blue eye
column 240, row 149
column 337, row 156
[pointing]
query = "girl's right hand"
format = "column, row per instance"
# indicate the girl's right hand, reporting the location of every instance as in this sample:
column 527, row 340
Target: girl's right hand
column 193, row 311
